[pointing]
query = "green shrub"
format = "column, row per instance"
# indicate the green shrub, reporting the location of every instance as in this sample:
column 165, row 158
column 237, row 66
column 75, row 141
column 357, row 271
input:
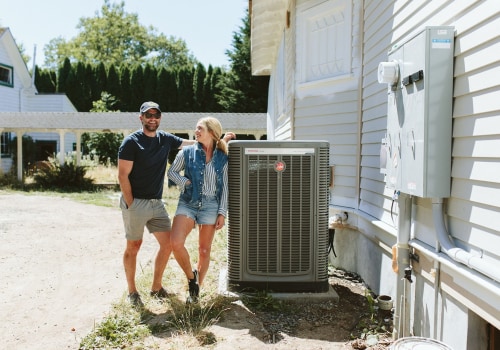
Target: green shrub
column 64, row 177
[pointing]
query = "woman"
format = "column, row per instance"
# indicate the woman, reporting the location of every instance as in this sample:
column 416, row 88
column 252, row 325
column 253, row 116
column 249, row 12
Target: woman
column 203, row 198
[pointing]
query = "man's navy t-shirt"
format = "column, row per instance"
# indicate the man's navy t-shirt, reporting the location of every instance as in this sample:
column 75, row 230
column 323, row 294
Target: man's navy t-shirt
column 150, row 156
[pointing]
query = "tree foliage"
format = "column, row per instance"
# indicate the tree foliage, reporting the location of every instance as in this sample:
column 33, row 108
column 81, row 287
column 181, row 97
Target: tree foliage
column 103, row 146
column 116, row 37
column 138, row 73
column 240, row 91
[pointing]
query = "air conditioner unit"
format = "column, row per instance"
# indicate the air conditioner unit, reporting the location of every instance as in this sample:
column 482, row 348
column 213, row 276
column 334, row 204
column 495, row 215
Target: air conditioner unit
column 278, row 216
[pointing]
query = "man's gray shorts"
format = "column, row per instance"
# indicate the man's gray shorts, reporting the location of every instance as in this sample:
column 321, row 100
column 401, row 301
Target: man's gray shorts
column 150, row 213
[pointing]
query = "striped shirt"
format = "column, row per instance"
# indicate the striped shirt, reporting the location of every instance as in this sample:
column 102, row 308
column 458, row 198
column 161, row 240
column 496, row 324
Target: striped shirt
column 209, row 183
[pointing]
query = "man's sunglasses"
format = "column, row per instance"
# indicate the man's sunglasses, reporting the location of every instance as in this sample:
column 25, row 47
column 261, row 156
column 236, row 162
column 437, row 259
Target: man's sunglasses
column 152, row 115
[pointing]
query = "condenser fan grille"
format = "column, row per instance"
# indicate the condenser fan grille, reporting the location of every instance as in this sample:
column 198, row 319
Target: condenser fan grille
column 278, row 215
column 279, row 236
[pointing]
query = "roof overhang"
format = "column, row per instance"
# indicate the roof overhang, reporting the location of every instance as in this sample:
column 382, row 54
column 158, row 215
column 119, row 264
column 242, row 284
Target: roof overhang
column 267, row 22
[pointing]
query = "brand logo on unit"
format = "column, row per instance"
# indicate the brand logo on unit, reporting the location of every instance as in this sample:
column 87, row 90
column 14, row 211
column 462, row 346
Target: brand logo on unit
column 279, row 166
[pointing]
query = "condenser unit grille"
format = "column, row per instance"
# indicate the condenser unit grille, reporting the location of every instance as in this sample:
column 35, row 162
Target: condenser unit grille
column 279, row 235
column 278, row 215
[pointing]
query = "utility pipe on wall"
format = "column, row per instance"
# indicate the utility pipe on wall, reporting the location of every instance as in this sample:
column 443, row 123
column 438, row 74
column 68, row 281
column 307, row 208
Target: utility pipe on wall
column 402, row 302
column 458, row 254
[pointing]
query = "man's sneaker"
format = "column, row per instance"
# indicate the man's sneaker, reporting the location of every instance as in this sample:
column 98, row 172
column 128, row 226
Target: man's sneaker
column 135, row 299
column 194, row 289
column 160, row 294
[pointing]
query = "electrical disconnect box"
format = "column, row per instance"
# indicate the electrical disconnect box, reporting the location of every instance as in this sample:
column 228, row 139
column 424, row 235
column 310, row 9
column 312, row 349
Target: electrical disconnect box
column 416, row 152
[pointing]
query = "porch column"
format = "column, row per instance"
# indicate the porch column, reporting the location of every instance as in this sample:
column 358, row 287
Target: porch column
column 62, row 153
column 1, row 165
column 191, row 135
column 20, row 134
column 78, row 147
column 257, row 136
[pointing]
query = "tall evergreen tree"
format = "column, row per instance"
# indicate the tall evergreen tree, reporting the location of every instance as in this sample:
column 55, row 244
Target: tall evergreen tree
column 209, row 99
column 216, row 83
column 185, row 89
column 113, row 85
column 45, row 80
column 137, row 86
column 150, row 83
column 124, row 99
column 242, row 92
column 198, row 88
column 78, row 90
column 62, row 75
column 170, row 92
column 98, row 84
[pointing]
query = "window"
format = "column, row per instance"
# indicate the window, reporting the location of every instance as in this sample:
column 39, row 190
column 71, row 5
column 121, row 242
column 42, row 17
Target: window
column 324, row 45
column 6, row 75
column 5, row 139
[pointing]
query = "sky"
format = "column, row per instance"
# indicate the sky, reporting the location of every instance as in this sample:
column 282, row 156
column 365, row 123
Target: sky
column 207, row 26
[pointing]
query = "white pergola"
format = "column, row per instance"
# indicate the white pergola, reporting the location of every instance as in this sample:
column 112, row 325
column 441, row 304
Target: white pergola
column 118, row 122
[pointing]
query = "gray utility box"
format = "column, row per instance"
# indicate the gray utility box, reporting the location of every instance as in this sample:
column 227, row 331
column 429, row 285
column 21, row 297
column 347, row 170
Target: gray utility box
column 416, row 152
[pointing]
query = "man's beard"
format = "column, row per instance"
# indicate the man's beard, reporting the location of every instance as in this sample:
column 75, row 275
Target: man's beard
column 151, row 127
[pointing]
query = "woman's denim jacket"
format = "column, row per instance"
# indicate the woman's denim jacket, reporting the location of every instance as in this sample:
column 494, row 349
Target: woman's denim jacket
column 194, row 169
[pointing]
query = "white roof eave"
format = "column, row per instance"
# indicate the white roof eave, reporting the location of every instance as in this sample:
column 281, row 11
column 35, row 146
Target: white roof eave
column 268, row 20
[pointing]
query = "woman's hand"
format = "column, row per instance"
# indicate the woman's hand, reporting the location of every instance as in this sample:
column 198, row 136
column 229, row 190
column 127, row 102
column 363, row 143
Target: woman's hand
column 219, row 223
column 228, row 136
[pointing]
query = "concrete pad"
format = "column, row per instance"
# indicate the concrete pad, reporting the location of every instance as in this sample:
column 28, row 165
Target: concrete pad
column 298, row 297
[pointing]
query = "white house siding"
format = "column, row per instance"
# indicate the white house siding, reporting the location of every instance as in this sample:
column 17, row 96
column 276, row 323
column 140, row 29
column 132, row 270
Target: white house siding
column 452, row 312
column 326, row 100
column 49, row 103
column 9, row 96
column 450, row 302
column 281, row 93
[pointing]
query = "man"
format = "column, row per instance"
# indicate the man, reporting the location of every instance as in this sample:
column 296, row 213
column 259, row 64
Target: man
column 142, row 162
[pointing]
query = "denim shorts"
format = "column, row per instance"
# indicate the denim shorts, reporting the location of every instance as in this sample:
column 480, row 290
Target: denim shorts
column 149, row 213
column 206, row 214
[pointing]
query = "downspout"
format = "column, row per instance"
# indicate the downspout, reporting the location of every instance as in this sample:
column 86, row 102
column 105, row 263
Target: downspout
column 458, row 254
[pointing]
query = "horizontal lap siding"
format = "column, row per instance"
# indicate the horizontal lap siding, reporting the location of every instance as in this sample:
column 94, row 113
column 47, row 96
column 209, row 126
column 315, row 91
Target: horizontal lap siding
column 475, row 195
column 9, row 96
column 378, row 24
column 474, row 206
column 334, row 117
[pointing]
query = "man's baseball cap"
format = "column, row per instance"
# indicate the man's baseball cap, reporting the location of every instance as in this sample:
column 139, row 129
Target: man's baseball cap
column 146, row 106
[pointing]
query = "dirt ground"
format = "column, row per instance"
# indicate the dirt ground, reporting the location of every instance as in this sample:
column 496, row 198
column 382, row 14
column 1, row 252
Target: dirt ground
column 61, row 269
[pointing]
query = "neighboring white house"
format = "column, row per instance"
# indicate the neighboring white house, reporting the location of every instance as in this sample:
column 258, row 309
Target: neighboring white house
column 18, row 93
column 324, row 58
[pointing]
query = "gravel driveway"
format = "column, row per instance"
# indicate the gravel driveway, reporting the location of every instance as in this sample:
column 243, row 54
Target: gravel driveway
column 60, row 269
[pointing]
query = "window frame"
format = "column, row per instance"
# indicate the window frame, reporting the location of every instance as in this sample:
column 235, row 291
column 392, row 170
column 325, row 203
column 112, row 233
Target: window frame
column 318, row 11
column 5, row 144
column 10, row 81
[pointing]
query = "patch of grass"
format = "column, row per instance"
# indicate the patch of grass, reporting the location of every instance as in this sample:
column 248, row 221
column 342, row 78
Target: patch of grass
column 194, row 318
column 120, row 329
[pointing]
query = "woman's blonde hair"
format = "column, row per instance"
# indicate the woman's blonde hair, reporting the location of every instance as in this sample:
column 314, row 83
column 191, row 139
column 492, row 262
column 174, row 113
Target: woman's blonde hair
column 214, row 127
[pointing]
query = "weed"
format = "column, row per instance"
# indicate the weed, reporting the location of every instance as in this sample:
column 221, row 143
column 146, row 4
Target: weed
column 194, row 318
column 118, row 330
column 262, row 300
